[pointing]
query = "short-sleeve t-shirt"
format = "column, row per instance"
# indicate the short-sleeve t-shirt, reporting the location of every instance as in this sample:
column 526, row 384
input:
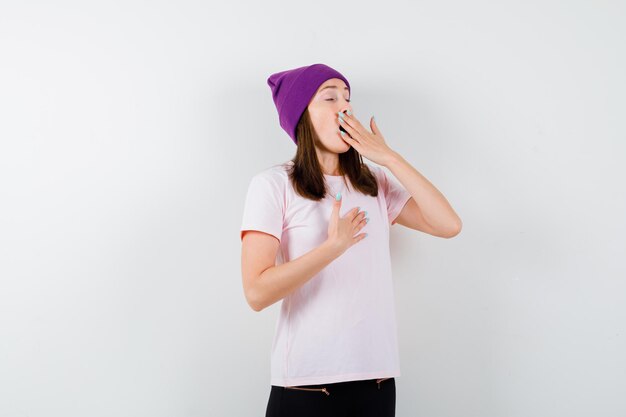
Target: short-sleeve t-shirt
column 340, row 325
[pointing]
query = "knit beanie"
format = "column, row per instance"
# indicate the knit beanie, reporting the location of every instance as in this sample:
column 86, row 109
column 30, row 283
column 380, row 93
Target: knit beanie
column 292, row 91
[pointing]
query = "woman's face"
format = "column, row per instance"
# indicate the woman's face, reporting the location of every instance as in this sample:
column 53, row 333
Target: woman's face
column 330, row 98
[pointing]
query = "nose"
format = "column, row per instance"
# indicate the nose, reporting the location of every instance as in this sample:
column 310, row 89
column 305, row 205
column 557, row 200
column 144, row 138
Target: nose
column 346, row 106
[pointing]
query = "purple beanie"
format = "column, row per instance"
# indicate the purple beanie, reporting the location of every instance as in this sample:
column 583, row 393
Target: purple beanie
column 292, row 91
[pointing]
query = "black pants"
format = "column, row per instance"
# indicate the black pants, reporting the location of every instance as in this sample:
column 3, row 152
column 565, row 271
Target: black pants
column 364, row 398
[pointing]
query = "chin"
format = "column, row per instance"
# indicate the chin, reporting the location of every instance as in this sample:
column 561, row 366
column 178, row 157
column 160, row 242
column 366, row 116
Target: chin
column 345, row 148
column 342, row 142
column 341, row 147
column 336, row 145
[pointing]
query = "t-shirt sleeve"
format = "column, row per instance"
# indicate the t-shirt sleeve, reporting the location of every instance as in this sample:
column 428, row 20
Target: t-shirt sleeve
column 264, row 206
column 395, row 194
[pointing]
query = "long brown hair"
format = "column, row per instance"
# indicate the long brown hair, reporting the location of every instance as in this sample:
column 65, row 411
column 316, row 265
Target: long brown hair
column 306, row 173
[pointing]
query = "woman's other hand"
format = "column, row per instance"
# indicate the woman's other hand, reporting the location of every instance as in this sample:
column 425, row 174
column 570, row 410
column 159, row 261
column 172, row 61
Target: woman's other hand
column 342, row 230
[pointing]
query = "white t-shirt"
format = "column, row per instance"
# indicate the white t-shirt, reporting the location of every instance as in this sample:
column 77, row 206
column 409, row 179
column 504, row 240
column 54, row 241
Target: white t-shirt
column 340, row 325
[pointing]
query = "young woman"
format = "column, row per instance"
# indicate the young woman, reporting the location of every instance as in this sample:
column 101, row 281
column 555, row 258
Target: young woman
column 315, row 234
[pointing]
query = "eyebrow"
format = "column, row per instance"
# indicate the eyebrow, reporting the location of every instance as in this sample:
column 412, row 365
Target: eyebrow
column 332, row 86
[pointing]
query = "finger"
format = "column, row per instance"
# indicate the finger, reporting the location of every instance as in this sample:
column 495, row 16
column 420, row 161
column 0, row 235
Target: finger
column 337, row 202
column 354, row 213
column 344, row 123
column 353, row 123
column 352, row 142
column 374, row 126
column 360, row 222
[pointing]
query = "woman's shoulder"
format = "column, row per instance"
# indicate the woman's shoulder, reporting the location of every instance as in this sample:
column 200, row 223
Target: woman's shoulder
column 277, row 171
column 276, row 174
column 372, row 167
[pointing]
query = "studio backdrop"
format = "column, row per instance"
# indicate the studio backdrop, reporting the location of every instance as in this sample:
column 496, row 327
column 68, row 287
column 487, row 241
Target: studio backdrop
column 130, row 130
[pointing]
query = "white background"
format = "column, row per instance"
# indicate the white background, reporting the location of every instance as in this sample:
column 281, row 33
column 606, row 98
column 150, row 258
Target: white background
column 130, row 130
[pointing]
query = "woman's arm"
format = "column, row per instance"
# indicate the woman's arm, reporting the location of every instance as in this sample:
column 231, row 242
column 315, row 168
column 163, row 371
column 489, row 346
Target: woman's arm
column 266, row 283
column 429, row 211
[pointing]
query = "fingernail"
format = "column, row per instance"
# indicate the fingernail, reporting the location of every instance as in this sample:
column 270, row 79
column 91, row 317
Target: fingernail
column 349, row 113
column 338, row 196
column 365, row 234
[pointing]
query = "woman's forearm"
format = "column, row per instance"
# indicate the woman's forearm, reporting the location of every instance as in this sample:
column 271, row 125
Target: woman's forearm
column 277, row 282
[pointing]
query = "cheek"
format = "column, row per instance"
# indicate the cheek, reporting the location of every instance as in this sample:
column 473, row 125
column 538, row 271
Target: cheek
column 325, row 120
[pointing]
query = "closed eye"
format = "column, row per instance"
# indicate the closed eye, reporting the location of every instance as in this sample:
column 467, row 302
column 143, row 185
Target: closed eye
column 330, row 99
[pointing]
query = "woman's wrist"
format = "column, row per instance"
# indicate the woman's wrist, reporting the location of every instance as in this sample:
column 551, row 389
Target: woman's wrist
column 334, row 247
